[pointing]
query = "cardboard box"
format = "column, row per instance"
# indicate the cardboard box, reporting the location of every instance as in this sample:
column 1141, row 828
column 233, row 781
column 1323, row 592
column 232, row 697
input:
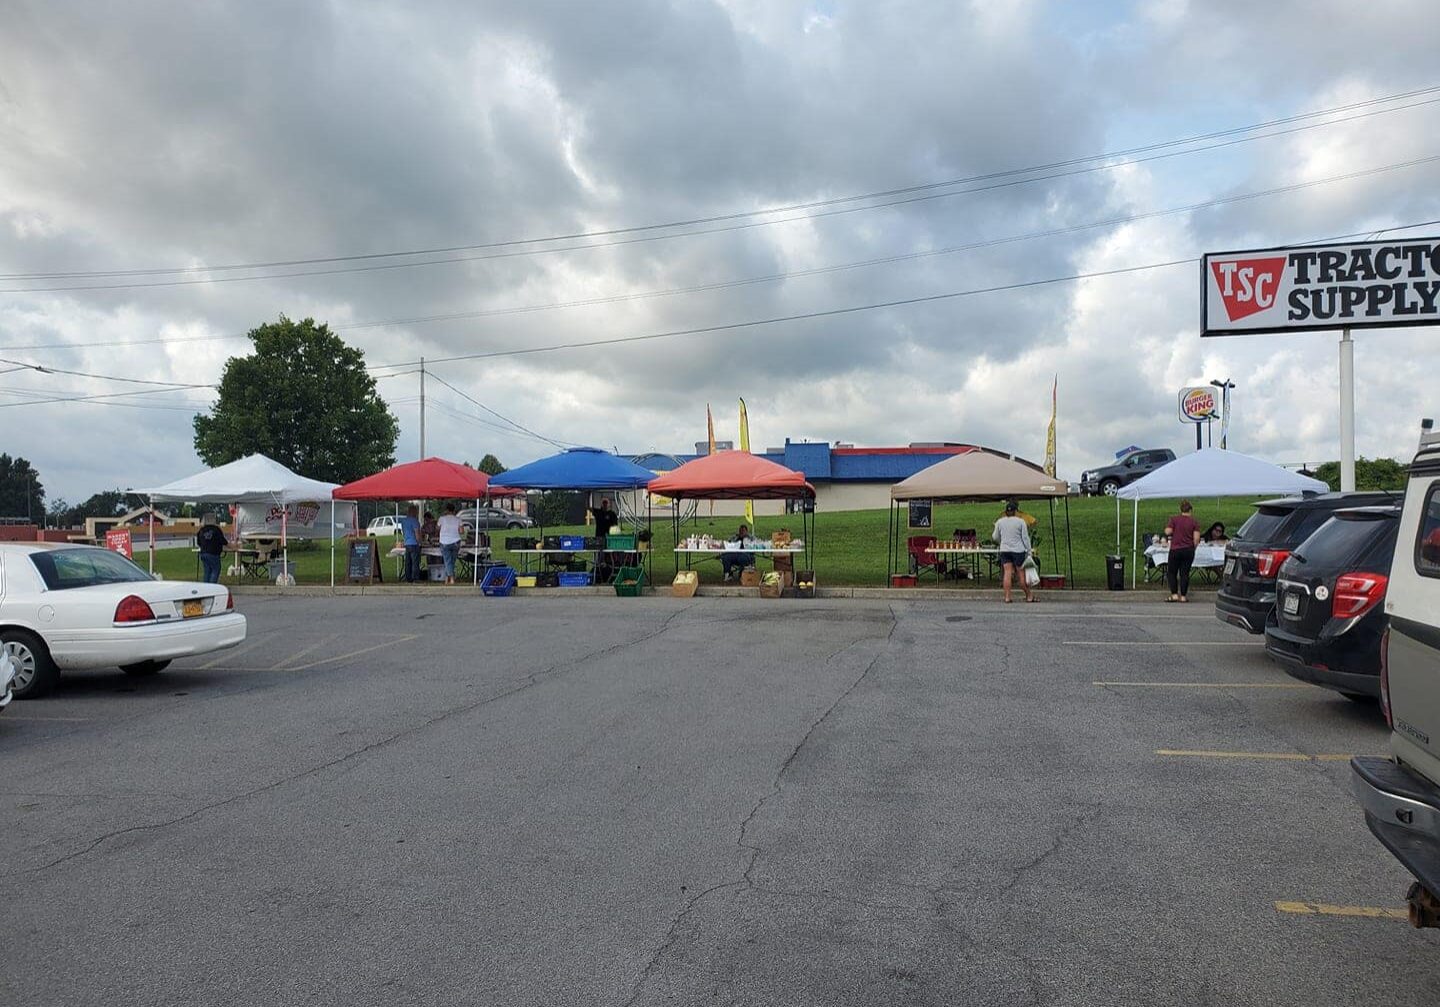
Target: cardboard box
column 749, row 577
column 771, row 590
column 686, row 583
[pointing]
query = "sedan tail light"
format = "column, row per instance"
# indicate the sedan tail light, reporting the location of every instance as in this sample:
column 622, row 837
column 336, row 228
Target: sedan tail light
column 1269, row 561
column 230, row 601
column 1385, row 675
column 1357, row 593
column 134, row 608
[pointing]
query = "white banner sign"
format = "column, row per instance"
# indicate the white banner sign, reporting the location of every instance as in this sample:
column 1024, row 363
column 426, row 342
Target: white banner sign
column 301, row 520
column 1378, row 283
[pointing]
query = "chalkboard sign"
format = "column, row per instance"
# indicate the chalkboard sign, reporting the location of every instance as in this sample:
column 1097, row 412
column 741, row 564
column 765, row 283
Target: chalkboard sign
column 920, row 513
column 363, row 563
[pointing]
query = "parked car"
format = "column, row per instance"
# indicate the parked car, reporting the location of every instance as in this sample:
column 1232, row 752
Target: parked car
column 1264, row 542
column 65, row 607
column 495, row 517
column 1401, row 796
column 1109, row 479
column 7, row 678
column 385, row 524
column 1329, row 613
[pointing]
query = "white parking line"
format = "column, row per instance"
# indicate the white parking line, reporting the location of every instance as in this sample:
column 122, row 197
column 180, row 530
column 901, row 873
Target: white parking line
column 1161, row 643
column 1210, row 685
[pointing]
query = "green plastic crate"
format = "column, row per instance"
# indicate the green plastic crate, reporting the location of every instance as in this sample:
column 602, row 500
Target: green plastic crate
column 629, row 581
column 620, row 543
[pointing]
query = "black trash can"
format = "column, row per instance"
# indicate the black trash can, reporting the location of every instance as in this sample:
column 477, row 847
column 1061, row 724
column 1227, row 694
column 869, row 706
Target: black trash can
column 1115, row 573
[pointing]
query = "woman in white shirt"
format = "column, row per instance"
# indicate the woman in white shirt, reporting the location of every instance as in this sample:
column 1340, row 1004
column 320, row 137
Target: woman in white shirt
column 450, row 535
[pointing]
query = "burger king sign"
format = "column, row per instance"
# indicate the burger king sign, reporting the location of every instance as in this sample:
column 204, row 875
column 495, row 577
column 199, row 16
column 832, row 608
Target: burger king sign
column 1198, row 405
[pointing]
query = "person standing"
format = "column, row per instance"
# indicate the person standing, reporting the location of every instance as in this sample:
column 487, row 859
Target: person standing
column 450, row 531
column 1184, row 535
column 605, row 519
column 212, row 543
column 410, row 537
column 1012, row 535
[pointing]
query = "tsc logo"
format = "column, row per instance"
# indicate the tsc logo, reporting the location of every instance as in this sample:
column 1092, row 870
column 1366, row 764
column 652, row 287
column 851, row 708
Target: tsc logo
column 1247, row 285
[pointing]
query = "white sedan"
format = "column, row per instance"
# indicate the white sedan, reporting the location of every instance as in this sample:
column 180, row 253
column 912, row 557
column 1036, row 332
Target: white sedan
column 66, row 607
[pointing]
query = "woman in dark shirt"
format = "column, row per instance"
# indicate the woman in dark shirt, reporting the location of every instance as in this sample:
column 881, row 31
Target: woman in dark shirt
column 1184, row 535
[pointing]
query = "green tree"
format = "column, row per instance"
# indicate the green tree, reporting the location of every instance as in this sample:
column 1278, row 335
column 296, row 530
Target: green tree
column 1370, row 474
column 304, row 398
column 21, row 493
column 106, row 503
column 491, row 466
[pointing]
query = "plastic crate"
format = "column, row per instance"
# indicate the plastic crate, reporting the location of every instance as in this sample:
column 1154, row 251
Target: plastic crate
column 573, row 579
column 525, row 580
column 551, row 541
column 572, row 542
column 547, row 578
column 902, row 580
column 804, row 583
column 513, row 542
column 620, row 543
column 498, row 582
column 629, row 581
column 1052, row 581
column 591, row 542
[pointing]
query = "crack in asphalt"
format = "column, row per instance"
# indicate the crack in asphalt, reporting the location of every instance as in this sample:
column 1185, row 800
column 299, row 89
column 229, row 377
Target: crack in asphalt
column 1056, row 841
column 751, row 853
column 528, row 682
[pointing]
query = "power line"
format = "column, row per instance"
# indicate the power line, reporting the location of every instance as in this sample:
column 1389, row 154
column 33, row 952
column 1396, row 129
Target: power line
column 791, row 274
column 492, row 412
column 713, row 230
column 854, row 309
column 93, row 398
column 878, row 194
column 24, row 365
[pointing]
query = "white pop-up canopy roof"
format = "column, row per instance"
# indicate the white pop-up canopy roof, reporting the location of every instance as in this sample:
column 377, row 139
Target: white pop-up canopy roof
column 1210, row 472
column 252, row 479
column 1215, row 472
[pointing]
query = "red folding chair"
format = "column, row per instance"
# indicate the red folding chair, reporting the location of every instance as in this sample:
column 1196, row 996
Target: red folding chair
column 920, row 560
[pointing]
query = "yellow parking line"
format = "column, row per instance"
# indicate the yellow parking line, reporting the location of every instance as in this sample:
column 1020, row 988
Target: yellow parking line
column 353, row 653
column 1323, row 909
column 1211, row 685
column 1282, row 756
column 305, row 650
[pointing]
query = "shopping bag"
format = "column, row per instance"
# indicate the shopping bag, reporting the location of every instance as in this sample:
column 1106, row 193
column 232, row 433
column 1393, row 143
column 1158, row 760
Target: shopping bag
column 1032, row 571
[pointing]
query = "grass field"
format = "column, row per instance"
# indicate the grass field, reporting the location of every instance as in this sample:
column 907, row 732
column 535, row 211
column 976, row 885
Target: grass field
column 850, row 547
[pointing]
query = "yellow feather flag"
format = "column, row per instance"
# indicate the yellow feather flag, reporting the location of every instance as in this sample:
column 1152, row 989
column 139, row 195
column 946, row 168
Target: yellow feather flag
column 710, row 427
column 1050, row 436
column 745, row 446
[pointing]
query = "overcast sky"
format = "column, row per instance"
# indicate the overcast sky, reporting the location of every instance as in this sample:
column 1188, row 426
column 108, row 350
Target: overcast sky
column 162, row 135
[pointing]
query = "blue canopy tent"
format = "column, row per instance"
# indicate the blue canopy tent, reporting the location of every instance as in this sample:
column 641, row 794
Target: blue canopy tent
column 582, row 469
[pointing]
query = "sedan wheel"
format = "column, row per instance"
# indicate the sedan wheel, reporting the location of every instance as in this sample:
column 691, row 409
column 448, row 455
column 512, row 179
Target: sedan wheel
column 35, row 673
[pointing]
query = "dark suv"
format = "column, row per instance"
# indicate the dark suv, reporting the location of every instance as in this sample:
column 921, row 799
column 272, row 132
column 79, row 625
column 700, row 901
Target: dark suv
column 1265, row 541
column 1329, row 608
column 1109, row 479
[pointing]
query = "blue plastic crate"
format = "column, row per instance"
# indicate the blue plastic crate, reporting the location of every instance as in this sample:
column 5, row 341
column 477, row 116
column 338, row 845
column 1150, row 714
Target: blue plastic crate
column 568, row 579
column 576, row 542
column 498, row 582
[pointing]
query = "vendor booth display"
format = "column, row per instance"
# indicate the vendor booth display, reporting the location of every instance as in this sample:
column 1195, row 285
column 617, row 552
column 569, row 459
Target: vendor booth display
column 739, row 475
column 977, row 476
column 1210, row 472
column 430, row 479
column 273, row 504
column 584, row 470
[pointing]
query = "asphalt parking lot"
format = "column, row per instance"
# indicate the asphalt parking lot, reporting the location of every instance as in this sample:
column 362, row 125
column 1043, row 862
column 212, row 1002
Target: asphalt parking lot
column 644, row 801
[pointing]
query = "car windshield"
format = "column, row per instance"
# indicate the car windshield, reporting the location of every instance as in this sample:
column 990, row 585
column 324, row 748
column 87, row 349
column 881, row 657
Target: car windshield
column 62, row 569
column 1349, row 540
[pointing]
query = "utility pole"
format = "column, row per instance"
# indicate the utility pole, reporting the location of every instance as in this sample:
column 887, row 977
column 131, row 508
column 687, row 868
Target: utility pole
column 422, row 407
column 1347, row 412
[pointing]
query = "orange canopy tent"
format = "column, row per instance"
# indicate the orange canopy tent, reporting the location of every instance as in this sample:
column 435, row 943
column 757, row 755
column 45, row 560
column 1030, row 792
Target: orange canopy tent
column 732, row 475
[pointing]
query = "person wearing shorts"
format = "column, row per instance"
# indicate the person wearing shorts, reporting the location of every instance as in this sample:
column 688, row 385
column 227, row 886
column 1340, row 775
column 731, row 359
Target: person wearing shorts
column 1012, row 534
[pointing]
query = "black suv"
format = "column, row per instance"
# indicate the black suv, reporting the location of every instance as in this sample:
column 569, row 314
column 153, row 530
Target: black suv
column 1329, row 610
column 1264, row 542
column 1109, row 479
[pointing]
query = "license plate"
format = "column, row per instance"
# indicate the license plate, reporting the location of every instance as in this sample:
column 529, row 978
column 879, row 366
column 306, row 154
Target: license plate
column 190, row 609
column 1229, row 566
column 1292, row 603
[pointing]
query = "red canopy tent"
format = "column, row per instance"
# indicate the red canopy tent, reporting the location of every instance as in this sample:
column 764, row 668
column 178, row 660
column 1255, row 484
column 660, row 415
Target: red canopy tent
column 736, row 475
column 427, row 479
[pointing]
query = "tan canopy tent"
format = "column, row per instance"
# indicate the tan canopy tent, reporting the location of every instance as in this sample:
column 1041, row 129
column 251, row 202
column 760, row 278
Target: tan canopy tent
column 982, row 475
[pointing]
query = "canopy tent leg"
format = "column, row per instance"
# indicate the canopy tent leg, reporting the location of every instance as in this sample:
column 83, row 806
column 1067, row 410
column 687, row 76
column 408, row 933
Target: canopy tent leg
column 475, row 556
column 332, row 543
column 1054, row 539
column 889, row 541
column 1117, row 524
column 285, row 540
column 1134, row 548
column 1069, row 543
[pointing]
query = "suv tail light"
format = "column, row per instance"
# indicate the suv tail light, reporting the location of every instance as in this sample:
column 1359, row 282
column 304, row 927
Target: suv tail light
column 1357, row 593
column 1269, row 561
column 134, row 608
column 1385, row 675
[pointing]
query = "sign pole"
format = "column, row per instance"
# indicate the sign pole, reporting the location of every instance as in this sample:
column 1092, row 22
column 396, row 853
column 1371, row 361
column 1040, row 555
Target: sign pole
column 1347, row 412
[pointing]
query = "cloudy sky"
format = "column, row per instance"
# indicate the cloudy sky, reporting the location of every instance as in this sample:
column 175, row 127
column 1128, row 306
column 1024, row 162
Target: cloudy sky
column 139, row 138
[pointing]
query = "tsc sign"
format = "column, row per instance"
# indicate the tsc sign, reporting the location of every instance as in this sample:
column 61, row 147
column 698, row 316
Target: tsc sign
column 1199, row 405
column 1385, row 283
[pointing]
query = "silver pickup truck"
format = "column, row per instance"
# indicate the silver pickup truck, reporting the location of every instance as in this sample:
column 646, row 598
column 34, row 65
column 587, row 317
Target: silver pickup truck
column 1401, row 796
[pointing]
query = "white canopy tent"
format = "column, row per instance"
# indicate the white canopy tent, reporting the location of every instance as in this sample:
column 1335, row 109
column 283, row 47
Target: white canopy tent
column 253, row 479
column 1210, row 472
